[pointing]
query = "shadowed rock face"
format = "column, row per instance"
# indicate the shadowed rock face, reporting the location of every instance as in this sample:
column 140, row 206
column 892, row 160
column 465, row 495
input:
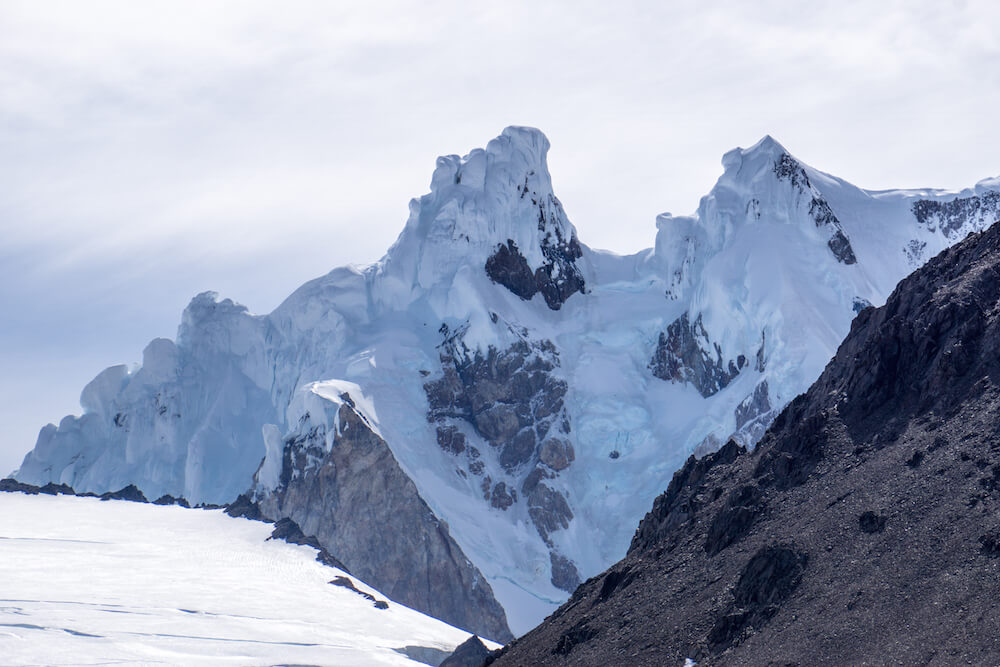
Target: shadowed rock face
column 951, row 216
column 513, row 399
column 508, row 267
column 787, row 168
column 863, row 528
column 564, row 574
column 470, row 653
column 753, row 406
column 682, row 356
column 10, row 485
column 767, row 580
column 360, row 505
column 558, row 278
column 754, row 414
column 130, row 492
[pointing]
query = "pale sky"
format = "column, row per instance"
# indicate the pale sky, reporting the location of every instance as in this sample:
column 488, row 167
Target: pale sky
column 154, row 150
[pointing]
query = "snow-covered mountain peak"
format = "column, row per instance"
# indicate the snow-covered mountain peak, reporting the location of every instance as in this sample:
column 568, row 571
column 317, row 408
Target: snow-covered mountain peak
column 742, row 161
column 517, row 151
column 205, row 313
column 764, row 167
column 492, row 208
column 486, row 197
column 765, row 196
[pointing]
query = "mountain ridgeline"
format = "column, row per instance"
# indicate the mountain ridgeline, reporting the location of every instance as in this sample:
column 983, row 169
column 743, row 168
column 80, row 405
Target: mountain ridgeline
column 507, row 399
column 863, row 529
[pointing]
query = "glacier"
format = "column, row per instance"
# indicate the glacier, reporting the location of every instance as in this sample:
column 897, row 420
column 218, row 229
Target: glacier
column 538, row 393
column 201, row 588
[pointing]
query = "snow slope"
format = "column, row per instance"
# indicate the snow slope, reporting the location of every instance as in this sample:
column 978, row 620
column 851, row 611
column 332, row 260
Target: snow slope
column 539, row 393
column 88, row 582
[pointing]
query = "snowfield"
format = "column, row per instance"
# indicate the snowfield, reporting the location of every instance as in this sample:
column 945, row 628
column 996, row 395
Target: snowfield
column 87, row 582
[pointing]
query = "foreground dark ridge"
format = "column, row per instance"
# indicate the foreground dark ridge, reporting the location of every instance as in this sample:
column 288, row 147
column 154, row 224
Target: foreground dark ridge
column 864, row 529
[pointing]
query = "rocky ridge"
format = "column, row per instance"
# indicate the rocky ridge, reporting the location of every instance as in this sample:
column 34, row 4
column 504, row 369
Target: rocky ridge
column 339, row 481
column 512, row 399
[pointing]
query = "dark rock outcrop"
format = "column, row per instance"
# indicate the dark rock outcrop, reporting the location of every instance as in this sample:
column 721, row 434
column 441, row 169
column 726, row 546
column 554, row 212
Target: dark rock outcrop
column 682, row 355
column 11, row 485
column 470, row 653
column 289, row 531
column 754, row 414
column 581, row 633
column 508, row 267
column 989, row 545
column 351, row 494
column 54, row 489
column 346, row 582
column 753, row 406
column 564, row 573
column 742, row 507
column 784, row 556
column 450, row 439
column 954, row 217
column 869, row 522
column 500, row 498
column 130, row 493
column 514, row 400
column 556, row 453
column 246, row 508
column 838, row 243
column 767, row 580
column 681, row 502
column 788, row 169
column 548, row 509
column 558, row 278
column 168, row 499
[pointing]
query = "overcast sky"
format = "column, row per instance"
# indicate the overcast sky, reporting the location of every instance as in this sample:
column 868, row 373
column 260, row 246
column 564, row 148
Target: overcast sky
column 149, row 151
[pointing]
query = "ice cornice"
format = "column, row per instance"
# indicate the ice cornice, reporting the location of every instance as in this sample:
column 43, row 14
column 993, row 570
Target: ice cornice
column 527, row 144
column 743, row 163
column 518, row 150
column 767, row 145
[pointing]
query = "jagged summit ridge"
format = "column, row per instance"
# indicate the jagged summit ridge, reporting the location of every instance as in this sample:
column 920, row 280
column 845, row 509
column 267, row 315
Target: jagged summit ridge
column 537, row 393
column 494, row 204
column 766, row 149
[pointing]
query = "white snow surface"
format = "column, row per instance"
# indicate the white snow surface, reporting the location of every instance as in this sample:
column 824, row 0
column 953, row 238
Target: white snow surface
column 199, row 416
column 87, row 582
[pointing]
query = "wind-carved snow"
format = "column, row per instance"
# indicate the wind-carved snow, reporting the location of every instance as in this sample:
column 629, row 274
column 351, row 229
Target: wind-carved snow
column 759, row 286
column 332, row 390
column 324, row 397
column 91, row 582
